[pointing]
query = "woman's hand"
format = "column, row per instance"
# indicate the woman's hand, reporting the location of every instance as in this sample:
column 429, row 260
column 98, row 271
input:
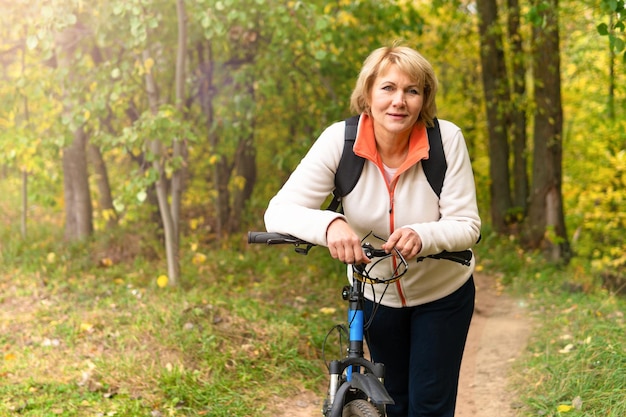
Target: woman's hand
column 344, row 244
column 406, row 241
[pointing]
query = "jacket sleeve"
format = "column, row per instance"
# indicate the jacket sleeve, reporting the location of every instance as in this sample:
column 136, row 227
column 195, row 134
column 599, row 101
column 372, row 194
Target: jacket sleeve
column 458, row 227
column 296, row 208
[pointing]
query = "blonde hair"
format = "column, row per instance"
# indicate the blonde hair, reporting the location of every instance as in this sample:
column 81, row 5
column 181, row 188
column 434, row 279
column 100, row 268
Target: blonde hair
column 408, row 61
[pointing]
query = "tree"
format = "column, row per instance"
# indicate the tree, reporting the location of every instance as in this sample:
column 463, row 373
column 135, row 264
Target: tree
column 544, row 226
column 78, row 204
column 169, row 191
column 517, row 114
column 496, row 88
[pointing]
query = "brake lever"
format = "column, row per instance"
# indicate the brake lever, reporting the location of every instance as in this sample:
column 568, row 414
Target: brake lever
column 372, row 252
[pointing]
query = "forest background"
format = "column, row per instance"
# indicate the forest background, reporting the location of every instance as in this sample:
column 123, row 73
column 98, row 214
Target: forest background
column 157, row 131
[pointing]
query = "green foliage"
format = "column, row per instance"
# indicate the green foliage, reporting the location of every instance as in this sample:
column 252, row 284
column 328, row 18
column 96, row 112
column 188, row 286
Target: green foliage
column 279, row 76
column 598, row 200
column 614, row 29
column 594, row 144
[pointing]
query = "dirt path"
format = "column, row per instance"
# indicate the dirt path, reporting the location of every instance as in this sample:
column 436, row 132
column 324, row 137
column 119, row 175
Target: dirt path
column 499, row 331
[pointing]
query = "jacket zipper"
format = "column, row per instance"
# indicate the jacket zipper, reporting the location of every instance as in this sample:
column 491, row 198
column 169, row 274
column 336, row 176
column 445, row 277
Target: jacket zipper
column 392, row 189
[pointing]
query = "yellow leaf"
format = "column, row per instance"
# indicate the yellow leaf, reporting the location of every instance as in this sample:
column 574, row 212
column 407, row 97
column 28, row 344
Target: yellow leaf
column 9, row 357
column 162, row 281
column 239, row 182
column 51, row 257
column 87, row 114
column 106, row 262
column 194, row 247
column 346, row 19
column 198, row 258
column 86, row 327
column 108, row 214
column 118, row 281
column 328, row 310
column 148, row 64
column 564, row 408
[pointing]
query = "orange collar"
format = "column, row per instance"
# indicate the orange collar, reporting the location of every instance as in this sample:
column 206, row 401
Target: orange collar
column 365, row 145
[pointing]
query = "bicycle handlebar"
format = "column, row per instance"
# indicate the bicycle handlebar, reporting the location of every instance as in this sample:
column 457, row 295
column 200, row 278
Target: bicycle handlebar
column 463, row 257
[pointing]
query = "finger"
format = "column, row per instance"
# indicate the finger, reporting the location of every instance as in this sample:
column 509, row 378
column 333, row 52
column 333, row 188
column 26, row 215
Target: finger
column 395, row 241
column 390, row 243
column 360, row 257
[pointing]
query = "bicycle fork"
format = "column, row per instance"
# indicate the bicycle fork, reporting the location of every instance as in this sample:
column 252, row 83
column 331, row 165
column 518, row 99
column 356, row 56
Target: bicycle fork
column 355, row 385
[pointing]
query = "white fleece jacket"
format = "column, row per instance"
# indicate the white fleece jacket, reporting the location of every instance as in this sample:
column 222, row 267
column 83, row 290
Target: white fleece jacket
column 450, row 222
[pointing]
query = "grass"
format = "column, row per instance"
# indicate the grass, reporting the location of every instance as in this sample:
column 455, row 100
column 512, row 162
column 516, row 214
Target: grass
column 577, row 356
column 86, row 330
column 109, row 341
column 83, row 334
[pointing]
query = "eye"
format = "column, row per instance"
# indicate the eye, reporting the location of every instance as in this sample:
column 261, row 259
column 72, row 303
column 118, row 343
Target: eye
column 414, row 91
column 387, row 88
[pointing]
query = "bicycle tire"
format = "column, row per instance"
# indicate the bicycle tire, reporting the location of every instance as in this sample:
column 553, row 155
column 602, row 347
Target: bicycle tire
column 360, row 408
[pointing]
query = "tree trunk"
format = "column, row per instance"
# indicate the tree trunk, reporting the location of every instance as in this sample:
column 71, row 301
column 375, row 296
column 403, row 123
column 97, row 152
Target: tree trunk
column 158, row 164
column 78, row 208
column 24, row 222
column 245, row 163
column 102, row 181
column 611, row 92
column 170, row 213
column 545, row 225
column 495, row 86
column 220, row 174
column 518, row 114
column 178, row 147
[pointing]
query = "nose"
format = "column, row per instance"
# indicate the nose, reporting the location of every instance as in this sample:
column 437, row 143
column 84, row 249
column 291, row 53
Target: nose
column 399, row 99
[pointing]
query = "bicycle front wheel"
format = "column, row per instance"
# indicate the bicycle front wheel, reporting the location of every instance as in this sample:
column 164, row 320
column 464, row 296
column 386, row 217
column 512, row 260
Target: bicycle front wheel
column 360, row 408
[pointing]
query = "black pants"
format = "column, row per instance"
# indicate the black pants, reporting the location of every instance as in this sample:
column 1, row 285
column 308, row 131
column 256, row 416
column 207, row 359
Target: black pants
column 422, row 348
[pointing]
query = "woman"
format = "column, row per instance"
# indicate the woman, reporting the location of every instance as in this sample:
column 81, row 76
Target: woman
column 420, row 328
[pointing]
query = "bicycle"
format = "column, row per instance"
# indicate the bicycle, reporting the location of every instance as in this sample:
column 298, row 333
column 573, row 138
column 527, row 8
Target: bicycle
column 356, row 385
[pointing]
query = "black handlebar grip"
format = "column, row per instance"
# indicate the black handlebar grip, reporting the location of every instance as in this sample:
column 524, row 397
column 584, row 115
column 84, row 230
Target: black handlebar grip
column 263, row 237
column 463, row 257
column 271, row 238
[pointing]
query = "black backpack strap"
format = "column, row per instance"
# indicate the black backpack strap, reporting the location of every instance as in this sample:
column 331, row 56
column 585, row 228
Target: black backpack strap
column 350, row 165
column 435, row 166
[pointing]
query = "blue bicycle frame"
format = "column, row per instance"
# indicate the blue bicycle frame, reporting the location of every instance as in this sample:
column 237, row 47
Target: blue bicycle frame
column 357, row 384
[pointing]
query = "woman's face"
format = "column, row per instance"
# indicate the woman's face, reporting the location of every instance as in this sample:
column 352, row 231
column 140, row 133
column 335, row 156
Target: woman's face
column 395, row 102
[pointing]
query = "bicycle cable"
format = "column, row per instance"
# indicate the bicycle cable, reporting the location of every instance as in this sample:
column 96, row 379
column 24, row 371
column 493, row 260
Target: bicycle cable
column 343, row 333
